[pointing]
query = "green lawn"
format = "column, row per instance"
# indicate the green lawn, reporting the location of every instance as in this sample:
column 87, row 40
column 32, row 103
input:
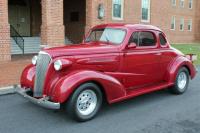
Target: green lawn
column 189, row 49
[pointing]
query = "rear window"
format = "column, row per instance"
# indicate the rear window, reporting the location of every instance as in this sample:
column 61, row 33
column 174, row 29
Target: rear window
column 163, row 41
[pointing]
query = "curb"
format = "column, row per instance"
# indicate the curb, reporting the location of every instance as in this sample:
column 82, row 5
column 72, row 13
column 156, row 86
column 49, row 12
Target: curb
column 8, row 90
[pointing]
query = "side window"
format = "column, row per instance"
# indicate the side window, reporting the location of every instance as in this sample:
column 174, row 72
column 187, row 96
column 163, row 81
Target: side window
column 146, row 39
column 163, row 41
column 134, row 38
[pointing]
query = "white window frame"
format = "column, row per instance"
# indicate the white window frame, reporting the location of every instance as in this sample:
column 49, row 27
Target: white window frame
column 190, row 2
column 149, row 12
column 173, row 2
column 189, row 23
column 122, row 11
column 180, row 2
column 173, row 20
column 182, row 20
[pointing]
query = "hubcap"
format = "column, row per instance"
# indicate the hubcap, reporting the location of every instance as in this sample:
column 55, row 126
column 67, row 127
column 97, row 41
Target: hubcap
column 182, row 80
column 86, row 102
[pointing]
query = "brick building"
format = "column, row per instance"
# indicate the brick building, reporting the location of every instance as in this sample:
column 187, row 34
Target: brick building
column 56, row 22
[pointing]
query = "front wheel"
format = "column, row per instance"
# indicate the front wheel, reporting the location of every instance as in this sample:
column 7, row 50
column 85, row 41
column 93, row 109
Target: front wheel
column 181, row 82
column 85, row 102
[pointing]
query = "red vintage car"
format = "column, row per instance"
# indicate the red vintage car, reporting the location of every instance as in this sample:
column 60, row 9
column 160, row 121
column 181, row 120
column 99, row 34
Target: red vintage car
column 114, row 62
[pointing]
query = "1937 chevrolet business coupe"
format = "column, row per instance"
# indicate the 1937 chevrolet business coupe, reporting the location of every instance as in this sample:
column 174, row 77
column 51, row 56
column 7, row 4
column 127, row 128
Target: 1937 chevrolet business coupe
column 115, row 62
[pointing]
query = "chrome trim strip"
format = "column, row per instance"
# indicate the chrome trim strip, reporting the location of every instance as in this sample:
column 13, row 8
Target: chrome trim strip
column 43, row 102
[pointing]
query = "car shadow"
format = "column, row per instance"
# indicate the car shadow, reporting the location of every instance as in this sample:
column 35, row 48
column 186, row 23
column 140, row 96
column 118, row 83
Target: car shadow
column 111, row 109
column 138, row 101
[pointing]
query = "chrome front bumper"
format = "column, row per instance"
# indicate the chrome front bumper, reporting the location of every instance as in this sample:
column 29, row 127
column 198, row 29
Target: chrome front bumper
column 43, row 102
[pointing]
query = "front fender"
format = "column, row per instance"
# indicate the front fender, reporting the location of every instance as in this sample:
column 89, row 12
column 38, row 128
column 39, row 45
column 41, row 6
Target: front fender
column 66, row 85
column 176, row 64
column 27, row 76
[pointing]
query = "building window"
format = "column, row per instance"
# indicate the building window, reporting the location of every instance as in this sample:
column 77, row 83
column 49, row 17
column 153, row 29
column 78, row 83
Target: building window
column 181, row 24
column 190, row 25
column 117, row 12
column 173, row 23
column 190, row 4
column 182, row 3
column 173, row 2
column 145, row 10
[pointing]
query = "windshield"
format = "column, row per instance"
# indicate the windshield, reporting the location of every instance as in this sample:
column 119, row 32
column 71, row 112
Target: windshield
column 109, row 35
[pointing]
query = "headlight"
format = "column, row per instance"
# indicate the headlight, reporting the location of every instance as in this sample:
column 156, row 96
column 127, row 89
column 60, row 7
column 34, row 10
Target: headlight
column 58, row 65
column 34, row 60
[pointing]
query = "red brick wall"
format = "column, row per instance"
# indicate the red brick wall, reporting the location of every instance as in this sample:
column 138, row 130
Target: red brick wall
column 52, row 29
column 89, row 14
column 178, row 36
column 197, row 26
column 4, row 32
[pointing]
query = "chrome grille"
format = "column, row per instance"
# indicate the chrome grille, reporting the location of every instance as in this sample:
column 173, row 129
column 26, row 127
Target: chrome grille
column 41, row 69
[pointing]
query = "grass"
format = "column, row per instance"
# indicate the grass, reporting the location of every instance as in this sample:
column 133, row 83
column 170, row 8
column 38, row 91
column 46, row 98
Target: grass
column 189, row 49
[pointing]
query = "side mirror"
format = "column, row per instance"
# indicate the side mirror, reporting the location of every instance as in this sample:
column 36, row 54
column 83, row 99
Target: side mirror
column 132, row 45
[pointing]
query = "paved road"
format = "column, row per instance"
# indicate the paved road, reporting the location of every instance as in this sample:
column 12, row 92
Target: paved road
column 158, row 112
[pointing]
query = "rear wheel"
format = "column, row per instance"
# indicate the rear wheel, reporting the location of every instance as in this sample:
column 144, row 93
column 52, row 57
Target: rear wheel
column 85, row 102
column 182, row 81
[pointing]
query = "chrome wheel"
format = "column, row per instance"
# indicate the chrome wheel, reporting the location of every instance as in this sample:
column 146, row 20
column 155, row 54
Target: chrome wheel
column 182, row 80
column 86, row 102
column 181, row 83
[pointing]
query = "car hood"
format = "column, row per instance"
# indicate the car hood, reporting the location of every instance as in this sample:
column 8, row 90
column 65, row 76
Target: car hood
column 81, row 49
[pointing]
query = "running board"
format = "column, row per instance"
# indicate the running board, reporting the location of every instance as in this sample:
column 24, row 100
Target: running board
column 137, row 92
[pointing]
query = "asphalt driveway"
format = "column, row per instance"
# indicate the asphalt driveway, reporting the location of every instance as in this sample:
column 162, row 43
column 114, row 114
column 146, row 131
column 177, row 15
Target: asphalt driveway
column 158, row 112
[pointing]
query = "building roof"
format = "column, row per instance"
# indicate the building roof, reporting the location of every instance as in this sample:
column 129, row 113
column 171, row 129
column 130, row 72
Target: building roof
column 133, row 26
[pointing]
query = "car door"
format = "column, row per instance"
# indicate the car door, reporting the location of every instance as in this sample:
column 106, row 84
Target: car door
column 141, row 64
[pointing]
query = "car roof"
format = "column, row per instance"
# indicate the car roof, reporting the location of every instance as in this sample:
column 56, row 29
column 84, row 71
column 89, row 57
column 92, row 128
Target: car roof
column 132, row 26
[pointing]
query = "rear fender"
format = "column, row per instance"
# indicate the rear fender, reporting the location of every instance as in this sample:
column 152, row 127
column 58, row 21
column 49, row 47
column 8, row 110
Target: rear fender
column 175, row 65
column 66, row 85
